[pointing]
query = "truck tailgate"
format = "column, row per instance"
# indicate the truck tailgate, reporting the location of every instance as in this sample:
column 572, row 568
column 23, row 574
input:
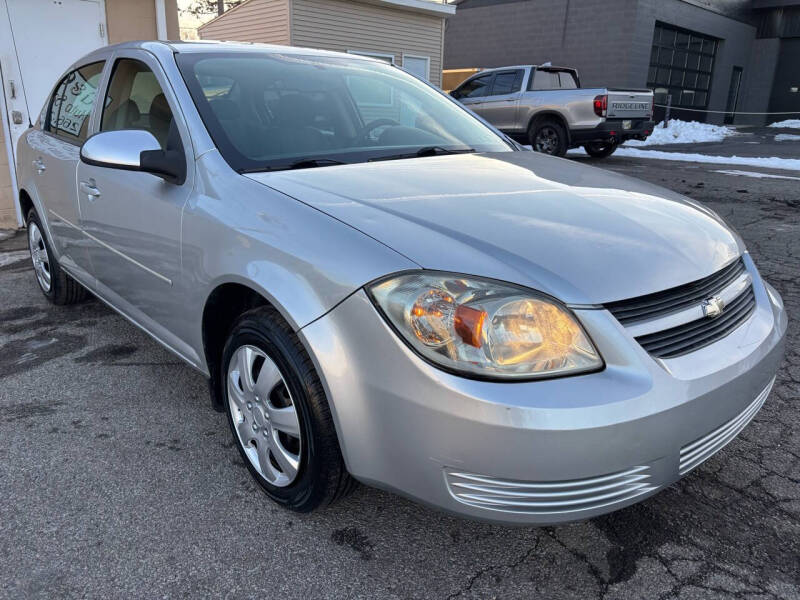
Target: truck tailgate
column 624, row 104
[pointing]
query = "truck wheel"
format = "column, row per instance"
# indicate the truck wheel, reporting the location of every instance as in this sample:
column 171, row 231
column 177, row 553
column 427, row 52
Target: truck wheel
column 548, row 136
column 600, row 149
column 58, row 287
column 279, row 414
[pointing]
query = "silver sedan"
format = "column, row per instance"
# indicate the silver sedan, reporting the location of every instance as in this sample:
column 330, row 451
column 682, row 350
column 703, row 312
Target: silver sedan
column 383, row 288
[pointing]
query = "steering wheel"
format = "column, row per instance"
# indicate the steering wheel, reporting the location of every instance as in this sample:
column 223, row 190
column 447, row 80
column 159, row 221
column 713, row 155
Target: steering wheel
column 363, row 135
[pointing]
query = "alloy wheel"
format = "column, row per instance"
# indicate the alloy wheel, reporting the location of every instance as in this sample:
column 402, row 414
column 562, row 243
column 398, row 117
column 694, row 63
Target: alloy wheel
column 264, row 415
column 546, row 140
column 41, row 261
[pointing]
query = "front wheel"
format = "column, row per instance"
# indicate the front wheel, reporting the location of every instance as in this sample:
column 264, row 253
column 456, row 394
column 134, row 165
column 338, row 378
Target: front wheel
column 549, row 137
column 279, row 414
column 600, row 149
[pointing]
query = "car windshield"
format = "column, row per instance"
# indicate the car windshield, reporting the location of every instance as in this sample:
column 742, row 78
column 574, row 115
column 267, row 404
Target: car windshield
column 276, row 111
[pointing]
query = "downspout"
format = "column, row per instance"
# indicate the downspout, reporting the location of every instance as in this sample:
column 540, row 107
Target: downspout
column 161, row 20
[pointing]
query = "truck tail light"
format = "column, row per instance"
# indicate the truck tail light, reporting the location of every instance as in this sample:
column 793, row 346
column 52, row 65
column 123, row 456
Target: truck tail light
column 601, row 105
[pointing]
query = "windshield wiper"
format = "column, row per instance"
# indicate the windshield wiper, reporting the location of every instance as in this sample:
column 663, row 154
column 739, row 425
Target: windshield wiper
column 305, row 163
column 424, row 151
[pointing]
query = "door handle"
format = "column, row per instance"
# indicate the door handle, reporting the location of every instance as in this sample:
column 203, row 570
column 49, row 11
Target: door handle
column 89, row 188
column 38, row 164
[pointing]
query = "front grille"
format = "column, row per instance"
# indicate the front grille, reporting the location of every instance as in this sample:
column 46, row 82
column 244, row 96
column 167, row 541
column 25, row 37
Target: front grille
column 698, row 451
column 548, row 497
column 653, row 306
column 693, row 335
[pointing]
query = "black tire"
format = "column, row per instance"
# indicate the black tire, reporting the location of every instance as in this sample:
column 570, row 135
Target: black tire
column 322, row 477
column 63, row 288
column 549, row 137
column 600, row 149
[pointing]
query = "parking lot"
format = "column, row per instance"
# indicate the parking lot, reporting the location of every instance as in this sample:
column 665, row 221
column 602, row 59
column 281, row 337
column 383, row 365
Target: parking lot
column 117, row 479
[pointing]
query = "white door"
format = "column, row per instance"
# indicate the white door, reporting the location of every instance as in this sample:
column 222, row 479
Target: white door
column 39, row 40
column 418, row 65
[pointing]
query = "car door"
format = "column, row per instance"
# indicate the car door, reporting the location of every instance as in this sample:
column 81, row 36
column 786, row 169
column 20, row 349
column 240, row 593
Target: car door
column 474, row 92
column 134, row 218
column 55, row 155
column 500, row 107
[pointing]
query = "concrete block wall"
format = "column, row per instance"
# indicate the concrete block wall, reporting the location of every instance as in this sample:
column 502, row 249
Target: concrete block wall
column 589, row 34
column 608, row 41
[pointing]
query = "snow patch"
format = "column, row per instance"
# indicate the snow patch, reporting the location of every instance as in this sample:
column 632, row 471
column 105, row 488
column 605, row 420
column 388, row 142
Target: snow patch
column 684, row 132
column 786, row 137
column 756, row 174
column 9, row 258
column 787, row 124
column 772, row 162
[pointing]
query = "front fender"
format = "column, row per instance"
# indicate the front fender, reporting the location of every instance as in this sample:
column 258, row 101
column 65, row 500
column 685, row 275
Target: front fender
column 304, row 262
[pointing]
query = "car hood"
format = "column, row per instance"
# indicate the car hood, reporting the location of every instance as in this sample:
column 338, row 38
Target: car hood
column 581, row 234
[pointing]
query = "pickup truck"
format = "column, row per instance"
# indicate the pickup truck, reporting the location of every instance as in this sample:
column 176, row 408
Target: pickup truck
column 544, row 106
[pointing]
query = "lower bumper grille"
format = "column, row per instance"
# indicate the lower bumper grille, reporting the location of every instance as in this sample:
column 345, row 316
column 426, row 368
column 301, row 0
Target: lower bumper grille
column 698, row 451
column 548, row 497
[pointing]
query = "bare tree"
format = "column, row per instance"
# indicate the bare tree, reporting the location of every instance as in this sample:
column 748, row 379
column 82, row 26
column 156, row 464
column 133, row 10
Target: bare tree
column 204, row 8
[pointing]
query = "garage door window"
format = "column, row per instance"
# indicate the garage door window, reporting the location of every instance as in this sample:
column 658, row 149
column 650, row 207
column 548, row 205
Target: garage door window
column 72, row 102
column 681, row 65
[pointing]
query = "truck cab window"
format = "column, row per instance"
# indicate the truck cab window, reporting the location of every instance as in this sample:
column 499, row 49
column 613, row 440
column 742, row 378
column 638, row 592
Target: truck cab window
column 507, row 82
column 476, row 88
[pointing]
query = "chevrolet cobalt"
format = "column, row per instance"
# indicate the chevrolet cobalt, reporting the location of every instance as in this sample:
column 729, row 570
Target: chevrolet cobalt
column 381, row 287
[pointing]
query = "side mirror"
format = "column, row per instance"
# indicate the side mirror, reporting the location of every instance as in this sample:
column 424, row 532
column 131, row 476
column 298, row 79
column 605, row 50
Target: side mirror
column 455, row 94
column 134, row 150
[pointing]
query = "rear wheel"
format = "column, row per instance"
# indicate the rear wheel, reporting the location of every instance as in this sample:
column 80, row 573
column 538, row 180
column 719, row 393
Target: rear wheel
column 600, row 149
column 548, row 136
column 58, row 287
column 279, row 414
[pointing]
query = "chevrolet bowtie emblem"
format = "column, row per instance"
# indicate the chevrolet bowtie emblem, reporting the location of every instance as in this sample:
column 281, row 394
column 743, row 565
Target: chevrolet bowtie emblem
column 713, row 307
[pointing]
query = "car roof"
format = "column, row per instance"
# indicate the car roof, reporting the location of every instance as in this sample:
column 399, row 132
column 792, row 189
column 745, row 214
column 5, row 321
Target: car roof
column 511, row 67
column 181, row 47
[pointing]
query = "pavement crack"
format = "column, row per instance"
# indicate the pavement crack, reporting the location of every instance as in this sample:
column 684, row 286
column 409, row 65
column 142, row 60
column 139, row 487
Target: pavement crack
column 485, row 570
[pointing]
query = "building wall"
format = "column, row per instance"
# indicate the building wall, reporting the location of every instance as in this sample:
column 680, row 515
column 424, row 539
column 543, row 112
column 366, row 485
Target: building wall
column 8, row 215
column 735, row 49
column 592, row 35
column 608, row 41
column 760, row 71
column 125, row 20
column 787, row 77
column 136, row 20
column 344, row 25
column 264, row 21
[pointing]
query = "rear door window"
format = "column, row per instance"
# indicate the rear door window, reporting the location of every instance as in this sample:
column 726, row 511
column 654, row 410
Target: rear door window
column 72, row 103
column 507, row 82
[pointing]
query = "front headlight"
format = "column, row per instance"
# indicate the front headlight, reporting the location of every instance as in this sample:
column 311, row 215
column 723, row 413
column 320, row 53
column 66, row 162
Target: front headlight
column 485, row 328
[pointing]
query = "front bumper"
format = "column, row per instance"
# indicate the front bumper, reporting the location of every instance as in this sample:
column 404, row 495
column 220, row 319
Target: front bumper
column 614, row 131
column 544, row 451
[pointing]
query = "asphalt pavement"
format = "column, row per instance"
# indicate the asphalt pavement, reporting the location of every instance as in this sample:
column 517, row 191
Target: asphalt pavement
column 118, row 480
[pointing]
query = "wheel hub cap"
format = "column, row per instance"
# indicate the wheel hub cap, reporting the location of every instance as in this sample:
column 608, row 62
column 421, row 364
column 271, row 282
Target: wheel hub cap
column 41, row 261
column 546, row 140
column 264, row 414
